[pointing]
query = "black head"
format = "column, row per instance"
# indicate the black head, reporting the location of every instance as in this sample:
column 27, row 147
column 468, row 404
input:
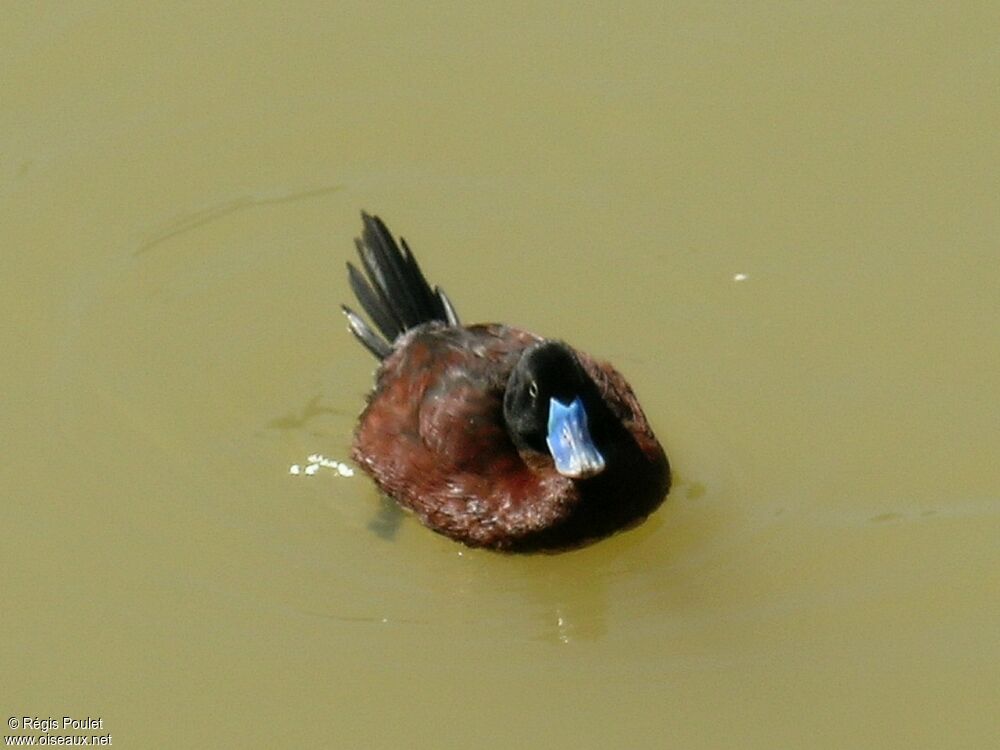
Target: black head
column 547, row 404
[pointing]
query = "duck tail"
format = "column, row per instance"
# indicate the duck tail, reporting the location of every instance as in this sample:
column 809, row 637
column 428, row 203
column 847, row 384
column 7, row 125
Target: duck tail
column 392, row 290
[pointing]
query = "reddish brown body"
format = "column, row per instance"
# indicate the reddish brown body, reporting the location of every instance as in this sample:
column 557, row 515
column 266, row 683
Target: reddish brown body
column 433, row 437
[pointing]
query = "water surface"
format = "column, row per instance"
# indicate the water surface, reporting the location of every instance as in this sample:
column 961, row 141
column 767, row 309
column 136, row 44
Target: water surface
column 780, row 221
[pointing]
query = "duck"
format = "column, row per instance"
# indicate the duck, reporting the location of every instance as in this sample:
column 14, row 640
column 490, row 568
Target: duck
column 491, row 435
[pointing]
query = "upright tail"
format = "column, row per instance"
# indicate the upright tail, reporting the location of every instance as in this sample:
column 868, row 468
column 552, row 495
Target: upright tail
column 395, row 293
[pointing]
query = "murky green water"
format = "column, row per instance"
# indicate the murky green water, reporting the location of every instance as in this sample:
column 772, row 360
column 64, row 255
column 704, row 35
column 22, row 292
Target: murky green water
column 781, row 221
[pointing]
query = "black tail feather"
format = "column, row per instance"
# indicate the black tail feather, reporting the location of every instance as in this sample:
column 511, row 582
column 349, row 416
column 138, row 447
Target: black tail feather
column 373, row 302
column 371, row 340
column 449, row 309
column 392, row 290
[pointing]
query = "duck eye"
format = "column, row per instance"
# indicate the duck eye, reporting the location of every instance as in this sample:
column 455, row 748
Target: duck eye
column 533, row 389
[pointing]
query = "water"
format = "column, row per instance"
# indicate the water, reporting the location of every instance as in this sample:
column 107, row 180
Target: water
column 780, row 222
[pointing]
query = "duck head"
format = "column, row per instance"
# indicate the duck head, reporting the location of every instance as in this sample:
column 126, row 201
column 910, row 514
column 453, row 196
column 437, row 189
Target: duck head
column 549, row 405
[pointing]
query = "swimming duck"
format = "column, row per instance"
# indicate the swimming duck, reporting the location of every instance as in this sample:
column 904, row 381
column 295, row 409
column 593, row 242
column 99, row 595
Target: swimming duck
column 492, row 435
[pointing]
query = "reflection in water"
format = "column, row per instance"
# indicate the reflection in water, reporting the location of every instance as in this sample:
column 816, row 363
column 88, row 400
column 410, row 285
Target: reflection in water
column 695, row 491
column 570, row 594
column 581, row 618
column 311, row 410
column 890, row 516
column 195, row 219
column 317, row 461
column 387, row 520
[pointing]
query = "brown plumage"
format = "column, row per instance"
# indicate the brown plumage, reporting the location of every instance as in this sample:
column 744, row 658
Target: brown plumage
column 455, row 428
